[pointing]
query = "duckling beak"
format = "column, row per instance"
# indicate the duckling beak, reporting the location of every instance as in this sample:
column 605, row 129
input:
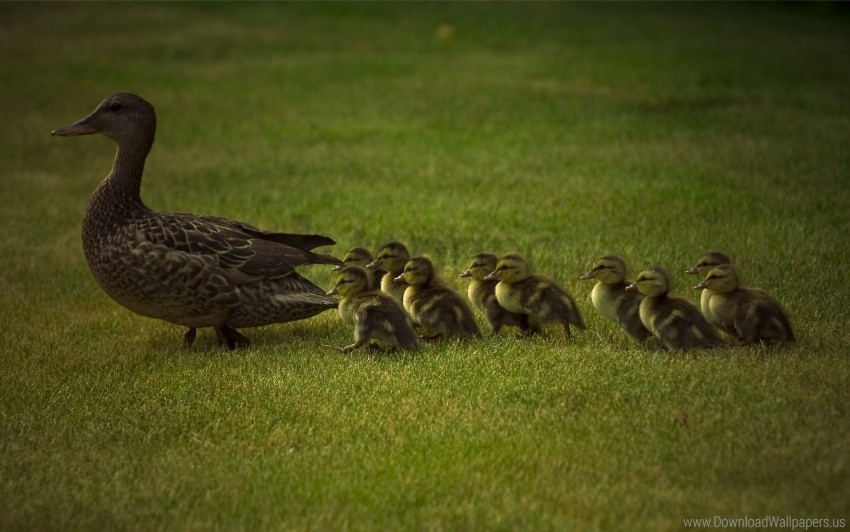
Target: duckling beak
column 82, row 127
column 337, row 268
column 467, row 273
column 492, row 276
column 332, row 292
column 692, row 271
column 588, row 275
column 375, row 264
column 632, row 286
column 399, row 279
column 701, row 286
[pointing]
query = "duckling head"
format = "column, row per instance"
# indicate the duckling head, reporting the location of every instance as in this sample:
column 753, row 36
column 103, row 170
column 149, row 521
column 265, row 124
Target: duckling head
column 608, row 269
column 709, row 261
column 358, row 256
column 512, row 268
column 122, row 117
column 350, row 280
column 392, row 257
column 481, row 266
column 418, row 271
column 652, row 282
column 722, row 279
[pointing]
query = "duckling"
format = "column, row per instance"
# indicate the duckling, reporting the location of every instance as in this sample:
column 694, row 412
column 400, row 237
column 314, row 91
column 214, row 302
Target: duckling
column 747, row 314
column 361, row 257
column 541, row 298
column 674, row 321
column 611, row 298
column 391, row 258
column 483, row 294
column 704, row 265
column 375, row 315
column 433, row 305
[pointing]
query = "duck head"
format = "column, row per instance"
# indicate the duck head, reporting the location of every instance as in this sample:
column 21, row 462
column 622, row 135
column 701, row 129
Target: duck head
column 358, row 256
column 124, row 117
column 481, row 265
column 418, row 271
column 511, row 268
column 392, row 257
column 707, row 262
column 722, row 279
column 652, row 282
column 609, row 269
column 350, row 280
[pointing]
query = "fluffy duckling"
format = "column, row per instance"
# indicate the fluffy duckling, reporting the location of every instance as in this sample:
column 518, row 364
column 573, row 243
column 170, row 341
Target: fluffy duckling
column 747, row 314
column 375, row 315
column 541, row 298
column 391, row 258
column 611, row 298
column 705, row 264
column 361, row 257
column 482, row 293
column 673, row 320
column 434, row 306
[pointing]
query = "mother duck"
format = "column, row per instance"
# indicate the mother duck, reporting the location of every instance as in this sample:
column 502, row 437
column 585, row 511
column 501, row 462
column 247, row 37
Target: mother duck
column 187, row 269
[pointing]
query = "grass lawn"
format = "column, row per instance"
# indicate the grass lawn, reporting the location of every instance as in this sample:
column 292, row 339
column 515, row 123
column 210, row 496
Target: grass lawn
column 563, row 131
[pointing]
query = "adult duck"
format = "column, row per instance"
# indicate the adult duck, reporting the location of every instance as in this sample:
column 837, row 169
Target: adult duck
column 187, row 269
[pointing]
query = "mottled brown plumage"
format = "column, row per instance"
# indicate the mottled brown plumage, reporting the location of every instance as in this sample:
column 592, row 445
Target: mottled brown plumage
column 434, row 306
column 187, row 269
column 612, row 300
column 673, row 320
column 748, row 315
column 482, row 293
column 374, row 315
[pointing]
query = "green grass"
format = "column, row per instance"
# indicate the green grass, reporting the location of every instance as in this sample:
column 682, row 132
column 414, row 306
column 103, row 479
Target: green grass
column 560, row 130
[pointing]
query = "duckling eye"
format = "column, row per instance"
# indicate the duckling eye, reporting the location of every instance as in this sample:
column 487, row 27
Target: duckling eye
column 114, row 106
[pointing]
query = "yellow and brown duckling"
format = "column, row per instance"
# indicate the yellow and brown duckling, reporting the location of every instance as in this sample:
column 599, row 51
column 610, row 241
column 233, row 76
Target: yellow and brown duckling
column 434, row 306
column 674, row 321
column 612, row 300
column 539, row 297
column 188, row 269
column 361, row 257
column 374, row 315
column 391, row 258
column 705, row 264
column 482, row 293
column 747, row 314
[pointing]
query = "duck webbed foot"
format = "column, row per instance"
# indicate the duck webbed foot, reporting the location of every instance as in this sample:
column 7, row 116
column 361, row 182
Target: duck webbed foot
column 231, row 338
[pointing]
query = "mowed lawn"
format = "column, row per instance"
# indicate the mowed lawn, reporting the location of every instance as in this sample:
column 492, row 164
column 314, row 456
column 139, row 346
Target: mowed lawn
column 563, row 131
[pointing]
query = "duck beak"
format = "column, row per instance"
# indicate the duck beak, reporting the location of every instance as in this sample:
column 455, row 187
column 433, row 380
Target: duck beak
column 700, row 286
column 632, row 286
column 332, row 292
column 467, row 273
column 374, row 265
column 337, row 268
column 492, row 276
column 692, row 271
column 588, row 275
column 82, row 127
column 399, row 279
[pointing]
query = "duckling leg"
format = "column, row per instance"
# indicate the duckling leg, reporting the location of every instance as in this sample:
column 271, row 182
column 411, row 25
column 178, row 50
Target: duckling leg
column 567, row 334
column 231, row 338
column 189, row 337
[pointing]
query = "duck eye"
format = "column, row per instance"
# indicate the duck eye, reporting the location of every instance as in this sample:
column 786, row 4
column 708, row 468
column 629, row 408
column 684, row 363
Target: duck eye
column 114, row 106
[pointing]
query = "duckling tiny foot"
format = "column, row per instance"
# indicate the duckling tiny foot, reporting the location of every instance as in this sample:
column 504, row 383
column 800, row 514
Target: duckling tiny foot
column 189, row 337
column 231, row 338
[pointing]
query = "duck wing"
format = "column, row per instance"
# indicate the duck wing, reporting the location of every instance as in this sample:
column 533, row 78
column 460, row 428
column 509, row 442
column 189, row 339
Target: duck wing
column 244, row 253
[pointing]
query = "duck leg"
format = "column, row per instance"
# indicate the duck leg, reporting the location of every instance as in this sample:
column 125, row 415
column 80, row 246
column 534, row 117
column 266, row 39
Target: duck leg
column 231, row 338
column 189, row 337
